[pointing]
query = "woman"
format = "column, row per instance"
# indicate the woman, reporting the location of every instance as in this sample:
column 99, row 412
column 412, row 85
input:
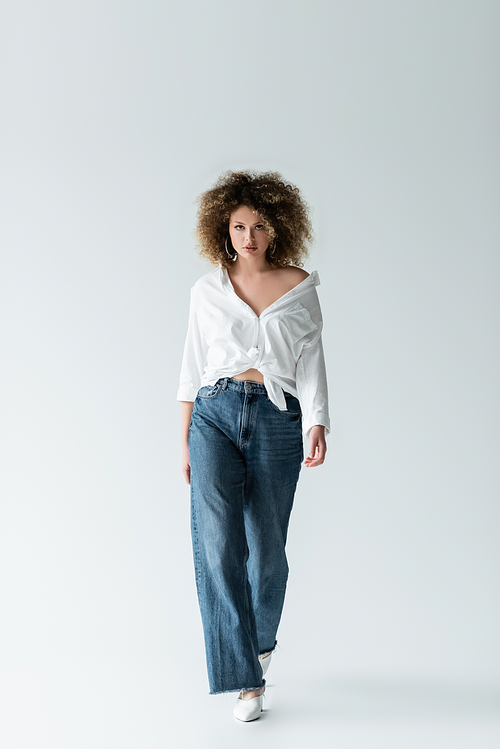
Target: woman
column 252, row 382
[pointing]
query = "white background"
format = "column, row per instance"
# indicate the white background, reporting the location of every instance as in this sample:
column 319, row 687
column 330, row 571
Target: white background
column 115, row 116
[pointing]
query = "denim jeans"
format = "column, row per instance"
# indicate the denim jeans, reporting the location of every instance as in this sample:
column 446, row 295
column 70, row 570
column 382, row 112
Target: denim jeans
column 245, row 457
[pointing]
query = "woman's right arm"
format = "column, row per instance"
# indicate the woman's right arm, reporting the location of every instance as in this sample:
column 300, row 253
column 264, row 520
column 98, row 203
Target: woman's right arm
column 193, row 366
column 187, row 409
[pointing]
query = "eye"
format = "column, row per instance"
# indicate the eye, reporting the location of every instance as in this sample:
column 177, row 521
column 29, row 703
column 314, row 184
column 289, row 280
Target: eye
column 259, row 226
column 239, row 226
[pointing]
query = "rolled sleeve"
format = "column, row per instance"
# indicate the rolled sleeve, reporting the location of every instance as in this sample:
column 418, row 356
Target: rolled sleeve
column 194, row 357
column 312, row 386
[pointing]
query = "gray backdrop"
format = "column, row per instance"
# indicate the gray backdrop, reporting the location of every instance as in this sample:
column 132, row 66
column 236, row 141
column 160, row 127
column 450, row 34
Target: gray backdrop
column 116, row 115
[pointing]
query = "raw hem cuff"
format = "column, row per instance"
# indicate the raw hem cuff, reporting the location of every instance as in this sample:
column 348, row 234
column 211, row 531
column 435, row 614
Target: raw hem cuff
column 268, row 652
column 239, row 689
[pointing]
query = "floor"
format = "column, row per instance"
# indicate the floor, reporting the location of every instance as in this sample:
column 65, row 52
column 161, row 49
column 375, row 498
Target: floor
column 352, row 714
column 151, row 701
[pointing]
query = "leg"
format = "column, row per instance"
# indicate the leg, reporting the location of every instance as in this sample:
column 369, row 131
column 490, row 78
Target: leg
column 273, row 467
column 218, row 475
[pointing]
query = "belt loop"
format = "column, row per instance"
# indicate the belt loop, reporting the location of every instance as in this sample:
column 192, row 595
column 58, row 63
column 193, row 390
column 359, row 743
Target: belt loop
column 225, row 380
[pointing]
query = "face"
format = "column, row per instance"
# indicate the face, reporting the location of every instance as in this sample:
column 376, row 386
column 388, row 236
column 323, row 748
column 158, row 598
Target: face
column 247, row 232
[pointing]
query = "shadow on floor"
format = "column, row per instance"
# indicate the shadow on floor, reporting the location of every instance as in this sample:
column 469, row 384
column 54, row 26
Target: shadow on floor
column 387, row 699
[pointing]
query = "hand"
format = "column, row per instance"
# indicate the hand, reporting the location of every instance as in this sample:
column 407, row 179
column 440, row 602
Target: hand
column 186, row 465
column 317, row 447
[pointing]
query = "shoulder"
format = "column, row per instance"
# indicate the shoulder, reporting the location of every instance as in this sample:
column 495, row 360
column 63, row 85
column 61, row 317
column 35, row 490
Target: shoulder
column 294, row 275
column 208, row 282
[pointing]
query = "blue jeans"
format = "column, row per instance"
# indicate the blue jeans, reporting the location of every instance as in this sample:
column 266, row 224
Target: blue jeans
column 245, row 457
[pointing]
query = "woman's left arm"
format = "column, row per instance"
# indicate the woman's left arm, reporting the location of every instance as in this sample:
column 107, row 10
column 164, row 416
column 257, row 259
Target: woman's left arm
column 312, row 388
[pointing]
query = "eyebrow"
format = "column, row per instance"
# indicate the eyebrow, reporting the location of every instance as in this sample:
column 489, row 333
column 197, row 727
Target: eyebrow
column 234, row 221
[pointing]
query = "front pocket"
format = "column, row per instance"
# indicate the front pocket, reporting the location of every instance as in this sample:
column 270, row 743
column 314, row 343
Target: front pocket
column 292, row 406
column 298, row 322
column 209, row 391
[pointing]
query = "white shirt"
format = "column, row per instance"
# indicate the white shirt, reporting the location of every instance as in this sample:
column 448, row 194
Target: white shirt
column 225, row 338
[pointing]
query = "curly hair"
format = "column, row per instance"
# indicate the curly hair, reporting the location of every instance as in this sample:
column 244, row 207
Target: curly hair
column 283, row 210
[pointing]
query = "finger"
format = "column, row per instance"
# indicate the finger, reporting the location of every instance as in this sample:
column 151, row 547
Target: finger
column 314, row 463
column 317, row 459
column 310, row 461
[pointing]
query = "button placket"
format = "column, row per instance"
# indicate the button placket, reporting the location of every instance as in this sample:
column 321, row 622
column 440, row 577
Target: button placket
column 255, row 353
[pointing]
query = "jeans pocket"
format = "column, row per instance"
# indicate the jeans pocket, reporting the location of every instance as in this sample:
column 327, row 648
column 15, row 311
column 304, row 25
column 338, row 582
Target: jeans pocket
column 209, row 391
column 293, row 407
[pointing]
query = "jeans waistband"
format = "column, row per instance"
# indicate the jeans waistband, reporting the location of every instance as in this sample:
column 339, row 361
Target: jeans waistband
column 242, row 386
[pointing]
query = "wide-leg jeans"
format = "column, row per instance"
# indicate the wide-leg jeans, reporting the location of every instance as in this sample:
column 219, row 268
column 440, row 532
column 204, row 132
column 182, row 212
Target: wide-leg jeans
column 245, row 457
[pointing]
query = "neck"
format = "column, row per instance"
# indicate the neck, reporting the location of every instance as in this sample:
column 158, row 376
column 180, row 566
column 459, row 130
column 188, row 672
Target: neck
column 250, row 266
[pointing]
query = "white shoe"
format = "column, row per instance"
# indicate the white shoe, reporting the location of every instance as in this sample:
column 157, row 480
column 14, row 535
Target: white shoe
column 265, row 661
column 247, row 710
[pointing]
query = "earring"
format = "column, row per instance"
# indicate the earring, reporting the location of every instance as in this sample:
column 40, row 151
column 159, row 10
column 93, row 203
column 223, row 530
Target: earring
column 231, row 257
